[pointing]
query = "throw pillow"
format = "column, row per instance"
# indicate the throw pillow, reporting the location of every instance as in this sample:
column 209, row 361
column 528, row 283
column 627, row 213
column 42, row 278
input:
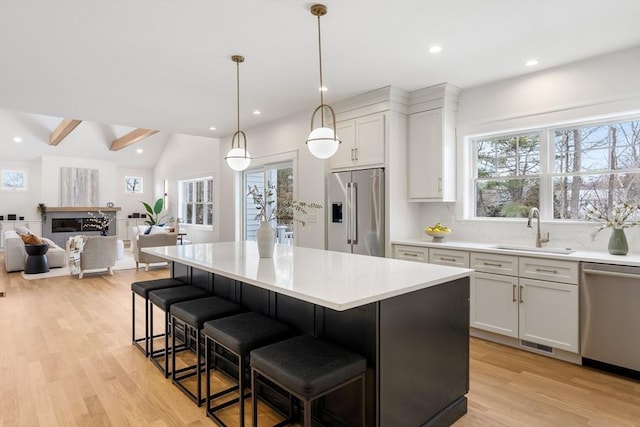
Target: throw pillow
column 22, row 230
column 148, row 230
column 31, row 239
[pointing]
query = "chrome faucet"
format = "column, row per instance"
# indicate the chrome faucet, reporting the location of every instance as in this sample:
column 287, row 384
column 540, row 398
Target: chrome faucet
column 539, row 239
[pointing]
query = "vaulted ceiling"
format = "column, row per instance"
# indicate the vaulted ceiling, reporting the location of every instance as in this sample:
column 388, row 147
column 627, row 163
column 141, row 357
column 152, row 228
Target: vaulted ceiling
column 165, row 65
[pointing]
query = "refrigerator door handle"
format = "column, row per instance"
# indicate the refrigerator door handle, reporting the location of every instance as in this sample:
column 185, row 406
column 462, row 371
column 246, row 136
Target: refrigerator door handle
column 348, row 213
column 354, row 213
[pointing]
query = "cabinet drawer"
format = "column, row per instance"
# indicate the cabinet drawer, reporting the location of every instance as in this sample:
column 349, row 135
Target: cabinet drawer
column 412, row 253
column 494, row 263
column 449, row 257
column 549, row 269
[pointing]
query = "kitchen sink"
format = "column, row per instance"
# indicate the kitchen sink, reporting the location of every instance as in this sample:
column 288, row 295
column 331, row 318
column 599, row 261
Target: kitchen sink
column 534, row 249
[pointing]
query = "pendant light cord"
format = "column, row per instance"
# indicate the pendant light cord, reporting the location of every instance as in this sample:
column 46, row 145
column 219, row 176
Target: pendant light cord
column 320, row 61
column 238, row 100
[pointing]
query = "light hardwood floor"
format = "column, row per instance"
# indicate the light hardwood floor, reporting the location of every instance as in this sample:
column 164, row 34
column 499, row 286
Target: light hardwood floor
column 66, row 359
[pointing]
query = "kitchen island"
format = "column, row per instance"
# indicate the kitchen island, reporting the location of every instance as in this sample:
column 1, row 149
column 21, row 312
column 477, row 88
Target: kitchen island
column 410, row 320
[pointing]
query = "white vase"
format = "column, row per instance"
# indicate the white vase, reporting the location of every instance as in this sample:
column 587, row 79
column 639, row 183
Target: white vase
column 266, row 239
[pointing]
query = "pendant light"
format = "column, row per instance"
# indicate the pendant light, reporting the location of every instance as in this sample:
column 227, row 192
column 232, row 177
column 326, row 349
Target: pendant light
column 238, row 158
column 322, row 141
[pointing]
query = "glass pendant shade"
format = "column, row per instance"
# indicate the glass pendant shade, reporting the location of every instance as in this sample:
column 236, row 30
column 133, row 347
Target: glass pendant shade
column 238, row 159
column 323, row 142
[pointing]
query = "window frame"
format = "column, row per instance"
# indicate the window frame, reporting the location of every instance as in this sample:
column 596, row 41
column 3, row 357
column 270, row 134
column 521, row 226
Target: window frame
column 547, row 164
column 182, row 204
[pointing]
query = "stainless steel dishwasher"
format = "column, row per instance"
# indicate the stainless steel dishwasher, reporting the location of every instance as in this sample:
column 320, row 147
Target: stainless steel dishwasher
column 610, row 317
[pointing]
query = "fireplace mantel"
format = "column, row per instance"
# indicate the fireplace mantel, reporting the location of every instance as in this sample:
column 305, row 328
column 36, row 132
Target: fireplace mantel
column 82, row 209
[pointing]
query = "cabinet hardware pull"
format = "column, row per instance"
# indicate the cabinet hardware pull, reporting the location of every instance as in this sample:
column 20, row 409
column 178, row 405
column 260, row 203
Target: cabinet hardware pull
column 410, row 254
column 439, row 184
column 521, row 294
column 542, row 270
column 492, row 264
column 513, row 293
column 356, row 151
column 352, row 156
column 448, row 259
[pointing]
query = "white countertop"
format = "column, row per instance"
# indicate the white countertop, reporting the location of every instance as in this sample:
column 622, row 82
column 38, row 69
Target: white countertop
column 578, row 255
column 335, row 280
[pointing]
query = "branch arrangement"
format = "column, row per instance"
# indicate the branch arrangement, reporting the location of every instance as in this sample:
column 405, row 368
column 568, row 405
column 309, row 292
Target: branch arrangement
column 621, row 216
column 285, row 210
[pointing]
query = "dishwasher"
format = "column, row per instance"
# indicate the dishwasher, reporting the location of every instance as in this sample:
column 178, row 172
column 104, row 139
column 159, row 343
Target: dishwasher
column 610, row 318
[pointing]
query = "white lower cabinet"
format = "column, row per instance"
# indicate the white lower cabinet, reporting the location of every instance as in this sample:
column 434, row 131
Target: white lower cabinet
column 494, row 303
column 411, row 253
column 531, row 299
column 549, row 314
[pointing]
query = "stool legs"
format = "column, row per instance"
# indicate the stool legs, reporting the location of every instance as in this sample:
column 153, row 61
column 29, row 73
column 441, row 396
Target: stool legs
column 136, row 341
column 197, row 397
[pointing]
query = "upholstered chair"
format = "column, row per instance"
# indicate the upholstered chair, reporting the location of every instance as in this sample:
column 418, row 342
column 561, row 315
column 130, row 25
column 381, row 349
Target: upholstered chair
column 98, row 252
column 151, row 240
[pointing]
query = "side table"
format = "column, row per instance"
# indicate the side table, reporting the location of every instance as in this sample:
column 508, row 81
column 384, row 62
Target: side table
column 36, row 259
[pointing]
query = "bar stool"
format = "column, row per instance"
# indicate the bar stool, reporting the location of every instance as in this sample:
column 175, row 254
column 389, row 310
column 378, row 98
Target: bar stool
column 164, row 299
column 307, row 368
column 239, row 335
column 192, row 315
column 142, row 289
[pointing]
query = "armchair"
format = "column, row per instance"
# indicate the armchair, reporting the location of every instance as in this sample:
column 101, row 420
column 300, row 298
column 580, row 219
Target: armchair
column 98, row 252
column 151, row 240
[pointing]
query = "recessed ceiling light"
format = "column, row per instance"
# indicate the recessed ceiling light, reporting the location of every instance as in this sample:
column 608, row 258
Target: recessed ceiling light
column 139, row 150
column 212, row 128
column 17, row 139
column 531, row 62
column 322, row 89
column 257, row 112
column 435, row 49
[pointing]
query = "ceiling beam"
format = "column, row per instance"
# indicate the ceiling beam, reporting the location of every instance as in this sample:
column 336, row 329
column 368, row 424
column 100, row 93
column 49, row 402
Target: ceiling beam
column 65, row 127
column 131, row 138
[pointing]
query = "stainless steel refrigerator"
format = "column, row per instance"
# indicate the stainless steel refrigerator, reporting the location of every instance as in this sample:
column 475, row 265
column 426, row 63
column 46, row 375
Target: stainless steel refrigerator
column 356, row 217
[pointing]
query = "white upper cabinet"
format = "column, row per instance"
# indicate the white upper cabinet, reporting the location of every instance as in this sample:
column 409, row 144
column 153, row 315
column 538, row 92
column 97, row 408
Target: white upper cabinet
column 362, row 142
column 432, row 144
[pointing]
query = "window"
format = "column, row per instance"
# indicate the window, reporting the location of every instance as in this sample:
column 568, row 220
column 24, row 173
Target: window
column 280, row 176
column 595, row 165
column 196, row 201
column 508, row 175
column 133, row 184
column 13, row 180
column 561, row 170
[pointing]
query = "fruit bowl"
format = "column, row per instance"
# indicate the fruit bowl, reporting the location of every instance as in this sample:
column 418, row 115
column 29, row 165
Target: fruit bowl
column 438, row 232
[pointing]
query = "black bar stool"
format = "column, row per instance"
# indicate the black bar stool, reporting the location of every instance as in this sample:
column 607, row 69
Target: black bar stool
column 307, row 368
column 239, row 335
column 192, row 315
column 164, row 299
column 142, row 289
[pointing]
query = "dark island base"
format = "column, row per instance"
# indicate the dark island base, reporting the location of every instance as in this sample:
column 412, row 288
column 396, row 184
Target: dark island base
column 416, row 345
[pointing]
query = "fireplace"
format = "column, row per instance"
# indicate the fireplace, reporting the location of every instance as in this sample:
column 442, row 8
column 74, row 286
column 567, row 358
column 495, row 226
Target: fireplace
column 65, row 222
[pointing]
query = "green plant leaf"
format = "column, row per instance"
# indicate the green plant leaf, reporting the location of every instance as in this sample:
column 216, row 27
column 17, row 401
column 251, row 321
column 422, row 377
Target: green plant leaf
column 157, row 208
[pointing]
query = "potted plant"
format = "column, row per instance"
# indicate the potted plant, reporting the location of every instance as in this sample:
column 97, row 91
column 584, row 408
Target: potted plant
column 620, row 217
column 153, row 213
column 43, row 211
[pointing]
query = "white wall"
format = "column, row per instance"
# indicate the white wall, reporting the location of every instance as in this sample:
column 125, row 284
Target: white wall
column 43, row 185
column 599, row 86
column 283, row 136
column 188, row 157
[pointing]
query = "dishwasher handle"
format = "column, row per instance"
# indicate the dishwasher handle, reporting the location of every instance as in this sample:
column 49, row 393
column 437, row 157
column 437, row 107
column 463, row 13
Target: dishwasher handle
column 611, row 274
